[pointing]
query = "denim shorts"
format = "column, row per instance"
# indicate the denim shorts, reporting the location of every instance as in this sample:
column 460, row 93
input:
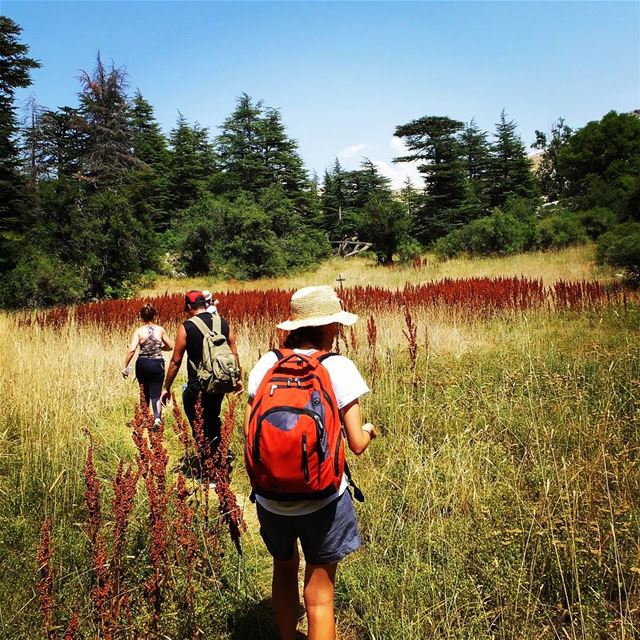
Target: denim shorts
column 326, row 535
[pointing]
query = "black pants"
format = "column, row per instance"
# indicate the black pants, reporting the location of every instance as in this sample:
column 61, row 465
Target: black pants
column 211, row 404
column 150, row 374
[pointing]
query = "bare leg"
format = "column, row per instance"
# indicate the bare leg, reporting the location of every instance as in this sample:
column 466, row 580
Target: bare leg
column 319, row 581
column 284, row 590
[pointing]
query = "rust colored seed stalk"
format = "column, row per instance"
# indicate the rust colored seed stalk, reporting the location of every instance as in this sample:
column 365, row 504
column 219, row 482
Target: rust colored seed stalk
column 72, row 629
column 46, row 573
column 411, row 334
column 92, row 496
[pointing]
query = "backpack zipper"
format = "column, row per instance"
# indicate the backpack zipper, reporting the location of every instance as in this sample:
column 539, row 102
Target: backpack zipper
column 336, row 459
column 305, row 459
column 256, row 441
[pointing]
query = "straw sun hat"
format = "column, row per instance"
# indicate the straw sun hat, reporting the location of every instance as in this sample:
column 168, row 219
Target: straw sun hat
column 314, row 307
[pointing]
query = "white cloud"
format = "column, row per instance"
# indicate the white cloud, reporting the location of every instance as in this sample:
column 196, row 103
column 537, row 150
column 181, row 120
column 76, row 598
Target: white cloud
column 398, row 145
column 351, row 151
column 398, row 173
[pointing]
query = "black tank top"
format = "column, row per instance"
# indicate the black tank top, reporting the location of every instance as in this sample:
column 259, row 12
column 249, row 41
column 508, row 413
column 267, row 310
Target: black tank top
column 194, row 345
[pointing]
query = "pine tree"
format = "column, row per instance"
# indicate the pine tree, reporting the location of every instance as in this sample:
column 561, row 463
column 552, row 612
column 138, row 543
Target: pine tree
column 284, row 164
column 15, row 66
column 63, row 142
column 432, row 141
column 476, row 156
column 365, row 184
column 333, row 201
column 241, row 149
column 191, row 164
column 411, row 198
column 510, row 169
column 149, row 184
column 255, row 153
column 105, row 111
column 549, row 173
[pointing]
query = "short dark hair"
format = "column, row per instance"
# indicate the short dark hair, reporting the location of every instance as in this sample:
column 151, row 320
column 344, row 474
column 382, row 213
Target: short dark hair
column 148, row 312
column 305, row 335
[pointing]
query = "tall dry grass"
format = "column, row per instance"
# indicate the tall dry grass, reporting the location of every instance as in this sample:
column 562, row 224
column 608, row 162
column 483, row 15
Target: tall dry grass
column 573, row 263
column 501, row 497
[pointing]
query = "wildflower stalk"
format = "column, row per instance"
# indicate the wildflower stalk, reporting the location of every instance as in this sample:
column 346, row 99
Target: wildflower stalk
column 46, row 572
column 411, row 334
column 92, row 496
column 72, row 629
column 372, row 339
column 229, row 509
column 124, row 490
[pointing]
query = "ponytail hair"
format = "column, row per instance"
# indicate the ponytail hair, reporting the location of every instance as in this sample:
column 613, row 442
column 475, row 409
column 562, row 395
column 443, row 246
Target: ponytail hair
column 148, row 312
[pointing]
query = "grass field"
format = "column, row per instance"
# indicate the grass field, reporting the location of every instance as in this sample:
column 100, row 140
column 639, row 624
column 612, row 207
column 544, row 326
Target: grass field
column 574, row 263
column 502, row 497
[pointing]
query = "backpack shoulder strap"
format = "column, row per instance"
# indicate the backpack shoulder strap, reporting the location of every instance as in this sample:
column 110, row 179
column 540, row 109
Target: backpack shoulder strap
column 216, row 324
column 200, row 324
column 323, row 356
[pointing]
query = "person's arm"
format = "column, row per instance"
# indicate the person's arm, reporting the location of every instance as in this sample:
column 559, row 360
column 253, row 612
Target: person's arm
column 174, row 365
column 135, row 341
column 167, row 344
column 247, row 415
column 359, row 436
column 234, row 349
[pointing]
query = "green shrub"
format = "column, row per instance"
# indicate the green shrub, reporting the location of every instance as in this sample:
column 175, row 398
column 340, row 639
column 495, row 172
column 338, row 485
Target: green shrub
column 500, row 233
column 245, row 239
column 41, row 280
column 597, row 221
column 409, row 250
column 560, row 228
column 450, row 245
column 620, row 247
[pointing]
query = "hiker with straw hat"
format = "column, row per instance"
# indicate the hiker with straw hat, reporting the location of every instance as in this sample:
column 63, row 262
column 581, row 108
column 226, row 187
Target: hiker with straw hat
column 301, row 397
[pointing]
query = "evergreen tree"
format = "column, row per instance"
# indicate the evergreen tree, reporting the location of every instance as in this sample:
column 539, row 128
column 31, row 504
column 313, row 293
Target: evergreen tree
column 432, row 141
column 283, row 163
column 15, row 66
column 107, row 156
column 333, row 202
column 53, row 143
column 601, row 165
column 510, row 169
column 241, row 150
column 548, row 171
column 411, row 198
column 365, row 184
column 345, row 195
column 386, row 223
column 62, row 142
column 148, row 184
column 255, row 153
column 31, row 148
column 476, row 157
column 191, row 164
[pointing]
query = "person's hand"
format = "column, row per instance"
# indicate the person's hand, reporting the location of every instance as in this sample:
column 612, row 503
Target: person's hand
column 239, row 388
column 125, row 372
column 370, row 429
column 165, row 397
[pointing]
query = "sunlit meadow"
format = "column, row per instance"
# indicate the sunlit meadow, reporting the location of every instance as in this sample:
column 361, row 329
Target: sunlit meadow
column 501, row 497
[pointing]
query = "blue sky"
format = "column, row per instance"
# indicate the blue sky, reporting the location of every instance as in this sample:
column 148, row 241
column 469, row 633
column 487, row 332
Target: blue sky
column 344, row 74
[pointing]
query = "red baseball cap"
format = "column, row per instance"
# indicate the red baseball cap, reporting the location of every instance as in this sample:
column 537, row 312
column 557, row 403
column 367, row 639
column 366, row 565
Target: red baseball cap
column 192, row 298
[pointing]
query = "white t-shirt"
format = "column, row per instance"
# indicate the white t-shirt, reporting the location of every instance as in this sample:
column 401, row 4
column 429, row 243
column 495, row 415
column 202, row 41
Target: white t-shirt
column 348, row 385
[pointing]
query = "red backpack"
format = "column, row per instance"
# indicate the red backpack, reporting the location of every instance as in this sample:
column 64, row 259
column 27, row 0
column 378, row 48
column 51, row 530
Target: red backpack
column 294, row 449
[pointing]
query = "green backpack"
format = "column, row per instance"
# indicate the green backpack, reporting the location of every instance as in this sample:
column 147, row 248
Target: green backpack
column 218, row 371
